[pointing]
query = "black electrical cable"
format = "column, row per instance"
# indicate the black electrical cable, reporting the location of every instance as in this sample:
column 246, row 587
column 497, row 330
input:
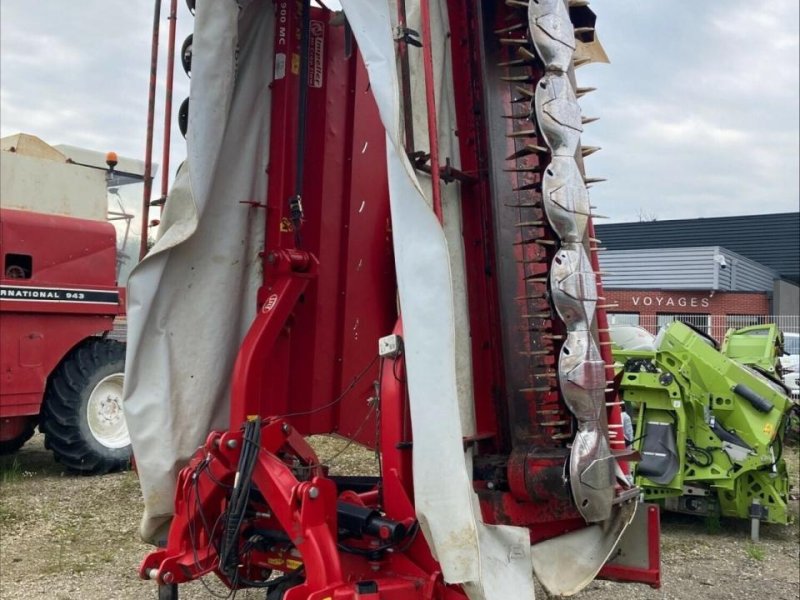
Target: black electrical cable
column 694, row 452
column 378, row 402
column 329, row 460
column 636, row 440
column 305, row 34
column 240, row 496
column 394, row 367
column 410, row 537
column 339, row 398
column 202, row 466
column 296, row 201
column 272, row 583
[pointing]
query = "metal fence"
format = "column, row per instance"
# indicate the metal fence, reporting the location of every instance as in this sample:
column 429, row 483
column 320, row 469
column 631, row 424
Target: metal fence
column 714, row 325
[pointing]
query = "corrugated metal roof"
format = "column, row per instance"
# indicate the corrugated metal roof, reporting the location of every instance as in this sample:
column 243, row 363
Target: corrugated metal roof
column 706, row 268
column 772, row 240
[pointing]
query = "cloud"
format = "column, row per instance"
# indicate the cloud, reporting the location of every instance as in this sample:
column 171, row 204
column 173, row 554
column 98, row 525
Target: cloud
column 78, row 73
column 698, row 110
column 692, row 129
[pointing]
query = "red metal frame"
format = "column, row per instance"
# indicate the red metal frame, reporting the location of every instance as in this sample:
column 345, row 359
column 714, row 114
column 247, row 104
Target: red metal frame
column 491, row 411
column 305, row 509
column 148, row 148
column 262, row 362
column 328, row 294
column 354, row 294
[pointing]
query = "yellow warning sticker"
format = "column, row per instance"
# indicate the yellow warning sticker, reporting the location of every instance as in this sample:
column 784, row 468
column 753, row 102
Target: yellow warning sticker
column 286, row 225
column 768, row 428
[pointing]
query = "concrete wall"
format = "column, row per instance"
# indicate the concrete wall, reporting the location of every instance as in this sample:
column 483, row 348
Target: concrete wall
column 785, row 298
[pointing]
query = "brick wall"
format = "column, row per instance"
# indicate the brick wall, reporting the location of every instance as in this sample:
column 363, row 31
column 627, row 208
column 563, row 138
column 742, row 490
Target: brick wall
column 715, row 309
column 651, row 302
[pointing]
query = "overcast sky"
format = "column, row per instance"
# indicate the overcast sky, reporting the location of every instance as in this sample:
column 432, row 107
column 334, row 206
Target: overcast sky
column 698, row 109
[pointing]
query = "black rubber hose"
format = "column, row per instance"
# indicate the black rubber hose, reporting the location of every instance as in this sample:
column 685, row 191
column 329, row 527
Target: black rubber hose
column 760, row 403
column 240, row 496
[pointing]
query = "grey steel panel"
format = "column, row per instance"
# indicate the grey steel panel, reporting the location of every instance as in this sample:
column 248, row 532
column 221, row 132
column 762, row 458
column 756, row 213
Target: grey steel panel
column 684, row 269
column 744, row 235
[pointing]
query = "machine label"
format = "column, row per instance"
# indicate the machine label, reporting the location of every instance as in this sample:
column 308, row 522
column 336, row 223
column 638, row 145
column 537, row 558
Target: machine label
column 316, row 46
column 282, row 18
column 270, row 303
column 20, row 293
column 280, row 66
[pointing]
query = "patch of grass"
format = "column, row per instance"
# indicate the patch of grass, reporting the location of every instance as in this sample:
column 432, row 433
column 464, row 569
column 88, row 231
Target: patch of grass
column 10, row 471
column 713, row 524
column 755, row 552
column 129, row 484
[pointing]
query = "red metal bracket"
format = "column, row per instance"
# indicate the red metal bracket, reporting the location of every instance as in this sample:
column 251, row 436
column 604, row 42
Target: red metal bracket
column 652, row 573
column 288, row 275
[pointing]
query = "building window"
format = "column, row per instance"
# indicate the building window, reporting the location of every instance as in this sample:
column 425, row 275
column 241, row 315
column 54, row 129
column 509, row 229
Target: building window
column 701, row 322
column 739, row 321
column 623, row 318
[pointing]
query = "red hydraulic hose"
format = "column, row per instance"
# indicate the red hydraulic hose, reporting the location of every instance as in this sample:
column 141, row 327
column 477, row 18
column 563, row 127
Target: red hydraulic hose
column 173, row 17
column 430, row 99
column 148, row 149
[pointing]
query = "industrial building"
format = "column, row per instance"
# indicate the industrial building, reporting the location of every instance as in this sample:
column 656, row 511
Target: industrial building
column 713, row 273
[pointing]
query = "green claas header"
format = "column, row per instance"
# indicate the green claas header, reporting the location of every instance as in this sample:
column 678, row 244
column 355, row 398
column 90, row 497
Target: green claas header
column 709, row 427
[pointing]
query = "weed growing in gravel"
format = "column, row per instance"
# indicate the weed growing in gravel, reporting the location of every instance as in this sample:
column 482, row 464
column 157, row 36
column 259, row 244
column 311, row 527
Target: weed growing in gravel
column 713, row 524
column 10, row 472
column 129, row 484
column 755, row 552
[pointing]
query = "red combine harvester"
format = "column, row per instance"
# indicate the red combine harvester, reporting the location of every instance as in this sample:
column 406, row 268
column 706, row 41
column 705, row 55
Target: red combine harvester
column 58, row 301
column 427, row 287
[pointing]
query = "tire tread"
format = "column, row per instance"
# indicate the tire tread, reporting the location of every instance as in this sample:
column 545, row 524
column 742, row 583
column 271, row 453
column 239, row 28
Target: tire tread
column 66, row 389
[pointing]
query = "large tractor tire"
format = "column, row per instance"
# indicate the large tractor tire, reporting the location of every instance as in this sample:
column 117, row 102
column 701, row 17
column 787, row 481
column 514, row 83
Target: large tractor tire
column 82, row 417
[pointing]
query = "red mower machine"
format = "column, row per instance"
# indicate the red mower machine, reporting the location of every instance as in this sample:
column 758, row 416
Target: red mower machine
column 58, row 301
column 427, row 286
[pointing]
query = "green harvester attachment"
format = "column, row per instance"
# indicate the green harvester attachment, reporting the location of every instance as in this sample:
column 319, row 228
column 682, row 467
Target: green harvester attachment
column 709, row 424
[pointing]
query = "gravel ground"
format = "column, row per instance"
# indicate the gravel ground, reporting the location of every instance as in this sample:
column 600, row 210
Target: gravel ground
column 75, row 538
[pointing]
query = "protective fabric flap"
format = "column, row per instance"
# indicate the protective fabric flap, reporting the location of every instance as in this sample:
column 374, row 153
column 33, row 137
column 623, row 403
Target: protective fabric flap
column 660, row 462
column 192, row 298
column 492, row 561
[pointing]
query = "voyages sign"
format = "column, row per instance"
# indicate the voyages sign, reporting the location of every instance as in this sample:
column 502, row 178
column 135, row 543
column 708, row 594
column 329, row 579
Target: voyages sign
column 670, row 301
